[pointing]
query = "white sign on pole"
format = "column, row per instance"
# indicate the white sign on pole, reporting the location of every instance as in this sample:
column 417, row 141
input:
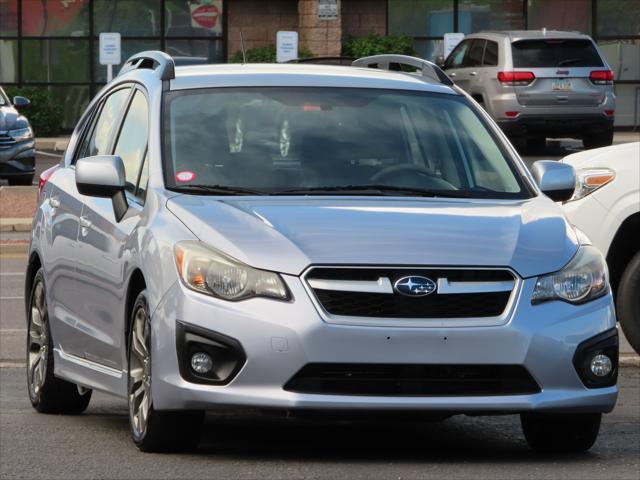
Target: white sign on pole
column 286, row 46
column 109, row 51
column 451, row 40
column 327, row 9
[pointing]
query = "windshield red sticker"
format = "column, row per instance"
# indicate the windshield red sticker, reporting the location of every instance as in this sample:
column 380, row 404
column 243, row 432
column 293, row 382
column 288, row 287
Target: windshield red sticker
column 185, row 176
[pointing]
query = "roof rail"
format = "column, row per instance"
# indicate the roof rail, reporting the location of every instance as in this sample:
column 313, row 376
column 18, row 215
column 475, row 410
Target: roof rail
column 154, row 60
column 428, row 69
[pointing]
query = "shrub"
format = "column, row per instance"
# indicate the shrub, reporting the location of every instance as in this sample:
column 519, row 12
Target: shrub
column 373, row 44
column 44, row 113
column 265, row 55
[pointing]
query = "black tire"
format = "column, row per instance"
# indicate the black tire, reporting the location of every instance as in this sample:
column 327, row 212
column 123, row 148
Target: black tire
column 628, row 302
column 21, row 180
column 598, row 139
column 536, row 144
column 560, row 433
column 155, row 431
column 47, row 393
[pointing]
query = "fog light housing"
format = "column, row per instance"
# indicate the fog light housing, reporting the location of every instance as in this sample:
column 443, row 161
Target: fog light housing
column 207, row 357
column 201, row 363
column 596, row 360
column 601, row 365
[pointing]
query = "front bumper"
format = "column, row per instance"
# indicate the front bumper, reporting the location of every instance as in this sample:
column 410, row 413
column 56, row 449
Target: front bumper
column 279, row 338
column 556, row 125
column 18, row 159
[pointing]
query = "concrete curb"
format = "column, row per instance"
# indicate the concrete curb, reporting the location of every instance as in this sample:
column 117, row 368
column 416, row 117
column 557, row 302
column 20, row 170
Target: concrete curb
column 629, row 360
column 57, row 144
column 15, row 224
column 21, row 248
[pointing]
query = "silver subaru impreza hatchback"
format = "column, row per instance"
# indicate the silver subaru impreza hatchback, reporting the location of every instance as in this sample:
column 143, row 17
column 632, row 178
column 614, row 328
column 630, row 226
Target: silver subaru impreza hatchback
column 309, row 238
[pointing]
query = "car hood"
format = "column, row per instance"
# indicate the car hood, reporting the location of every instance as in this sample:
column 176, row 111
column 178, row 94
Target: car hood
column 288, row 234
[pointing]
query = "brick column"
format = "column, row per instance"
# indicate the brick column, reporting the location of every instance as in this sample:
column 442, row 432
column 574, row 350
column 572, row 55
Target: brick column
column 322, row 37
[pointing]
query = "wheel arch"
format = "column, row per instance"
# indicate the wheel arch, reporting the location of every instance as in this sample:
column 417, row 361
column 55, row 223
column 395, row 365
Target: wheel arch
column 623, row 247
column 34, row 264
column 137, row 283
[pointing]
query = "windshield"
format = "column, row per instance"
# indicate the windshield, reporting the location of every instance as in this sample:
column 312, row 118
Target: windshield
column 555, row 53
column 273, row 140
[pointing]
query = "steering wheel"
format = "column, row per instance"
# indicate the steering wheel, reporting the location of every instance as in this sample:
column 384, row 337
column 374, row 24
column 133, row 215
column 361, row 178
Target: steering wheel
column 403, row 170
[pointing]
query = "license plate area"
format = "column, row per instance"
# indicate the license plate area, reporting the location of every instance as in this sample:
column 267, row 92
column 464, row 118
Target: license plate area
column 561, row 85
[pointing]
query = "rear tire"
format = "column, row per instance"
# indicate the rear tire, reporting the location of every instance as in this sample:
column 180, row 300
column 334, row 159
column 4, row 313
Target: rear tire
column 152, row 430
column 560, row 433
column 21, row 180
column 47, row 393
column 599, row 139
column 628, row 302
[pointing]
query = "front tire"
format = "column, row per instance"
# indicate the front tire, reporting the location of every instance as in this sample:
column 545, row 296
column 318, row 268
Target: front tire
column 152, row 430
column 47, row 393
column 560, row 433
column 628, row 302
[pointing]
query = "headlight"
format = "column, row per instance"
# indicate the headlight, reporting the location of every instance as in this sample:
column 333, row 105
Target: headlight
column 208, row 271
column 591, row 179
column 584, row 278
column 21, row 134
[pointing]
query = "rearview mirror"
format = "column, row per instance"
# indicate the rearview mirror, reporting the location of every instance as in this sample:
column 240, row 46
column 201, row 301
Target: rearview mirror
column 103, row 176
column 556, row 180
column 21, row 102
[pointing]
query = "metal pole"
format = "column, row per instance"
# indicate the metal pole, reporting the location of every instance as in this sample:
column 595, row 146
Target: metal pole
column 109, row 73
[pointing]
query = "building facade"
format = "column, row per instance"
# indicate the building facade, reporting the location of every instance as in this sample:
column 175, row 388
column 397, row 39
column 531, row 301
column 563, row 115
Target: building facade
column 54, row 43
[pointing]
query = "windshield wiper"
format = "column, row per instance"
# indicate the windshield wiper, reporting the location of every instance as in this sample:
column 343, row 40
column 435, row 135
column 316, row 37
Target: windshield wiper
column 217, row 190
column 372, row 190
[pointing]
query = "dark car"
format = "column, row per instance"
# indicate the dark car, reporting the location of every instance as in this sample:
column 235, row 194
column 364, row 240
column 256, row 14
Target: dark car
column 17, row 145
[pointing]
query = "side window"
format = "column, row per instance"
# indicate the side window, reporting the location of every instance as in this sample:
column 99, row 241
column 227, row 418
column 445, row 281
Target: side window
column 97, row 142
column 132, row 141
column 474, row 59
column 455, row 58
column 491, row 54
column 141, row 193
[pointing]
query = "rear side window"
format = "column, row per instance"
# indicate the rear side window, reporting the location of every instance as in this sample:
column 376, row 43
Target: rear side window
column 474, row 58
column 555, row 53
column 491, row 54
column 98, row 140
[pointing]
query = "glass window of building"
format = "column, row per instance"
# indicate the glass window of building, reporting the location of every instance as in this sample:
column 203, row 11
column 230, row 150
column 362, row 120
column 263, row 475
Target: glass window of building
column 8, row 61
column 618, row 17
column 55, row 18
column 573, row 15
column 421, row 18
column 186, row 18
column 624, row 58
column 128, row 47
column 139, row 18
column 55, row 60
column 8, row 17
column 476, row 15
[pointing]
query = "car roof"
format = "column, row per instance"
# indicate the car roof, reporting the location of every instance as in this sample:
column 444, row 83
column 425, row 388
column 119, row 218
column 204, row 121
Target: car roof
column 515, row 35
column 302, row 75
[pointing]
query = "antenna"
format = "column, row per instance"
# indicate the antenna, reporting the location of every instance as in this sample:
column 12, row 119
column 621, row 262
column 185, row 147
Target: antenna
column 244, row 54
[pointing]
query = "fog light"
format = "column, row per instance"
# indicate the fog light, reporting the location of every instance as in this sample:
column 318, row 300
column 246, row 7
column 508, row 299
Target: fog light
column 601, row 365
column 201, row 363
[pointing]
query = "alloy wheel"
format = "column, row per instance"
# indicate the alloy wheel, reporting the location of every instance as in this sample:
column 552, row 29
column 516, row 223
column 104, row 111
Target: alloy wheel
column 140, row 373
column 37, row 341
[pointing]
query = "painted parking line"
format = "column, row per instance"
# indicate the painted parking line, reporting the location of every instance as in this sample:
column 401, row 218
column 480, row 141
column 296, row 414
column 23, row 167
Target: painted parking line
column 12, row 330
column 11, row 298
column 11, row 274
column 46, row 154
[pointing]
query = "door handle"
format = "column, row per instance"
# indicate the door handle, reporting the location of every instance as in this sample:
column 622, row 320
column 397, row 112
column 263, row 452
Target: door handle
column 452, row 74
column 473, row 74
column 54, row 202
column 85, row 222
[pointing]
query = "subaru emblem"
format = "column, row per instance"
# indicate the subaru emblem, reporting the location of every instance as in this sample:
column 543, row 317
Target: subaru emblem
column 415, row 286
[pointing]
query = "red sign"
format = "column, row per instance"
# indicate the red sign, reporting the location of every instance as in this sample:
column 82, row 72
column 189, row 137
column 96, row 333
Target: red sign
column 205, row 16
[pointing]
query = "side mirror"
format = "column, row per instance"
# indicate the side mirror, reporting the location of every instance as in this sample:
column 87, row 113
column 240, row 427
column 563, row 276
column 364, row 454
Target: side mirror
column 103, row 176
column 556, row 180
column 440, row 60
column 21, row 102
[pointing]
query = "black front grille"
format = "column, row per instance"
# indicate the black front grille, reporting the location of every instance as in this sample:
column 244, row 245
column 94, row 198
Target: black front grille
column 436, row 305
column 412, row 380
column 357, row 304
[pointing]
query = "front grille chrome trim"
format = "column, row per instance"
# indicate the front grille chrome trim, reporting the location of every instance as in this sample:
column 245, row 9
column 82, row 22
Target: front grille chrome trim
column 517, row 285
column 447, row 287
column 382, row 285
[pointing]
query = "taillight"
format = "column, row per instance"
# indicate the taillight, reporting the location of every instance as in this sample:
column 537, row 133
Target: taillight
column 45, row 176
column 516, row 78
column 601, row 77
